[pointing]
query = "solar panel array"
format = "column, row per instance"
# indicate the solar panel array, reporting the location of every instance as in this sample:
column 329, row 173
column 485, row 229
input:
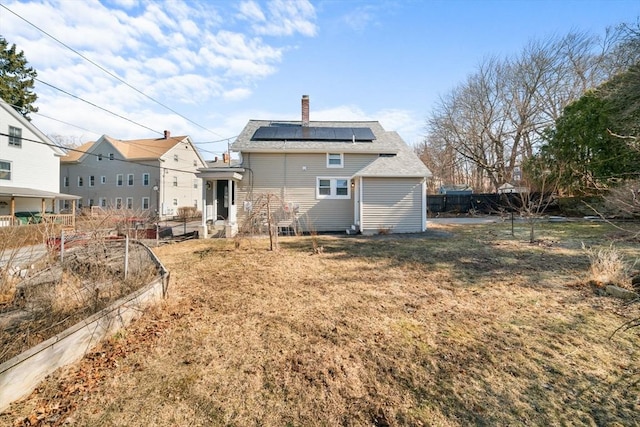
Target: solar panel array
column 310, row 133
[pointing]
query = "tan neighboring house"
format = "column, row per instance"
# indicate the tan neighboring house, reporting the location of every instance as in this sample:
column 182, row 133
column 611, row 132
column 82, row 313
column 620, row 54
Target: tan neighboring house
column 29, row 172
column 327, row 176
column 144, row 177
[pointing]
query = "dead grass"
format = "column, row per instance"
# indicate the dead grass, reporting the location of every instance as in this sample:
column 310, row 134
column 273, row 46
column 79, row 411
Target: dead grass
column 459, row 326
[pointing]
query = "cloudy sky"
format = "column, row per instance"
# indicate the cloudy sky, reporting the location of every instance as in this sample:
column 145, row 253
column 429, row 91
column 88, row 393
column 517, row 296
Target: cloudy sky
column 133, row 68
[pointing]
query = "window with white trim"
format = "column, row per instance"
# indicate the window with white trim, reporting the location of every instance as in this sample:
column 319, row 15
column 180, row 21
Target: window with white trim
column 65, row 181
column 118, row 202
column 15, row 136
column 333, row 188
column 175, row 202
column 92, row 181
column 145, row 179
column 119, row 180
column 99, row 157
column 80, row 181
column 335, row 160
column 129, row 202
column 130, row 179
column 175, row 181
column 145, row 203
column 5, row 170
column 103, row 179
column 111, row 157
column 103, row 202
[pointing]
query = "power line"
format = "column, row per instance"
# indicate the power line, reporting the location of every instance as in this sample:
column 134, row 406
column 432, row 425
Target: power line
column 108, row 72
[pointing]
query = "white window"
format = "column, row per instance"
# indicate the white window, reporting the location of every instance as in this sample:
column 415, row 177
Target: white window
column 333, row 188
column 119, row 180
column 79, row 203
column 145, row 179
column 90, row 202
column 118, row 202
column 80, row 181
column 145, row 203
column 335, row 160
column 5, row 170
column 130, row 179
column 103, row 202
column 175, row 181
column 103, row 179
column 129, row 202
column 92, row 181
column 175, row 202
column 175, row 157
column 65, row 181
column 15, row 136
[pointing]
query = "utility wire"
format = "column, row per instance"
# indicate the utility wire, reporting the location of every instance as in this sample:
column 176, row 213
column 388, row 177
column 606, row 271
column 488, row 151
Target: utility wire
column 108, row 72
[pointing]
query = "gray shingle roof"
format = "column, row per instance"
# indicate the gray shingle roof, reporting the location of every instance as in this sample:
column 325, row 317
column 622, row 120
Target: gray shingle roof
column 405, row 163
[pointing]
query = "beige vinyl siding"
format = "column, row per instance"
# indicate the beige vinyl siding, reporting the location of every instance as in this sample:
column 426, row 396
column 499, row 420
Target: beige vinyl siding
column 293, row 178
column 392, row 204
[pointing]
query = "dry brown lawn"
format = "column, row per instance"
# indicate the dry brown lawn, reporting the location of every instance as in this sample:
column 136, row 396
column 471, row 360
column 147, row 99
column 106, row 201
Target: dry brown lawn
column 459, row 326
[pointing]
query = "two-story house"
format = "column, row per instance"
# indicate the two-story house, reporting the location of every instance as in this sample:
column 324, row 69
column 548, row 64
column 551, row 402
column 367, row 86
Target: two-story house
column 146, row 177
column 326, row 176
column 29, row 169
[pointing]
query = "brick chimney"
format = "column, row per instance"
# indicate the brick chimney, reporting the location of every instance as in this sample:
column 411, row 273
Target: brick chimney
column 305, row 110
column 167, row 134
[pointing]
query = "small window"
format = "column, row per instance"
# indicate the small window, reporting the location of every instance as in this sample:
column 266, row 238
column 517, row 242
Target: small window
column 335, row 160
column 79, row 203
column 129, row 202
column 333, row 188
column 65, row 181
column 103, row 202
column 175, row 181
column 15, row 136
column 195, row 163
column 110, row 156
column 195, row 183
column 130, row 179
column 195, row 203
column 99, row 157
column 5, row 170
column 90, row 202
column 118, row 202
column 119, row 180
column 145, row 203
column 175, row 157
column 103, row 179
column 80, row 181
column 175, row 202
column 92, row 181
column 145, row 179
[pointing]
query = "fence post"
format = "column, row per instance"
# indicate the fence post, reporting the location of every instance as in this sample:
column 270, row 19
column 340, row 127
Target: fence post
column 62, row 246
column 126, row 256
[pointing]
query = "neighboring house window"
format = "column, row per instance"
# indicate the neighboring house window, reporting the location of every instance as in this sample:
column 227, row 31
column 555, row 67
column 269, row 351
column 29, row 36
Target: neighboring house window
column 195, row 203
column 103, row 202
column 335, row 160
column 118, row 202
column 130, row 179
column 65, row 181
column 65, row 204
column 129, row 202
column 333, row 188
column 195, row 183
column 175, row 157
column 145, row 179
column 80, row 181
column 15, row 136
column 5, row 170
column 103, row 179
column 175, row 202
column 195, row 163
column 79, row 203
column 175, row 181
column 99, row 157
column 92, row 181
column 90, row 202
column 110, row 156
column 119, row 180
column 145, row 203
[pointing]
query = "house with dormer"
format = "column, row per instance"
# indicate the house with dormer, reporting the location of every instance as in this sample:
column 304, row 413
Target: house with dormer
column 328, row 176
column 146, row 177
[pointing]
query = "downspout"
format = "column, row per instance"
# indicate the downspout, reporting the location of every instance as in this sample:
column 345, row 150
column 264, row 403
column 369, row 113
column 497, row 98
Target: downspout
column 424, row 204
column 360, row 190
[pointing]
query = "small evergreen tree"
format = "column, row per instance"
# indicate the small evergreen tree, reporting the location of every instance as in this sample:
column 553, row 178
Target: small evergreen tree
column 16, row 79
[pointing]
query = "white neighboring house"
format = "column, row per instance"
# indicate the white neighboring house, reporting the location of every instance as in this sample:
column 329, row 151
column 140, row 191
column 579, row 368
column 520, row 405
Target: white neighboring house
column 29, row 170
column 144, row 177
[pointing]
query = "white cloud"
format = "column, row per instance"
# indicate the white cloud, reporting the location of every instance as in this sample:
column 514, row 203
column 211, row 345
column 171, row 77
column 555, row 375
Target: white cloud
column 237, row 94
column 284, row 18
column 251, row 11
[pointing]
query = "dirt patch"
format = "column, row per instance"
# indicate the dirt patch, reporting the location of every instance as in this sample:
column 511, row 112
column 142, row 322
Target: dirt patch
column 478, row 328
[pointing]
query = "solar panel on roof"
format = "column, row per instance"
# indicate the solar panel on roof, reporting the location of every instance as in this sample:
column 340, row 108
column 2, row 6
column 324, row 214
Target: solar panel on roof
column 313, row 133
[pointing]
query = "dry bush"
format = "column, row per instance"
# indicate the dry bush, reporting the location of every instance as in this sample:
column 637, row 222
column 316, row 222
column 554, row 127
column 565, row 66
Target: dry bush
column 607, row 267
